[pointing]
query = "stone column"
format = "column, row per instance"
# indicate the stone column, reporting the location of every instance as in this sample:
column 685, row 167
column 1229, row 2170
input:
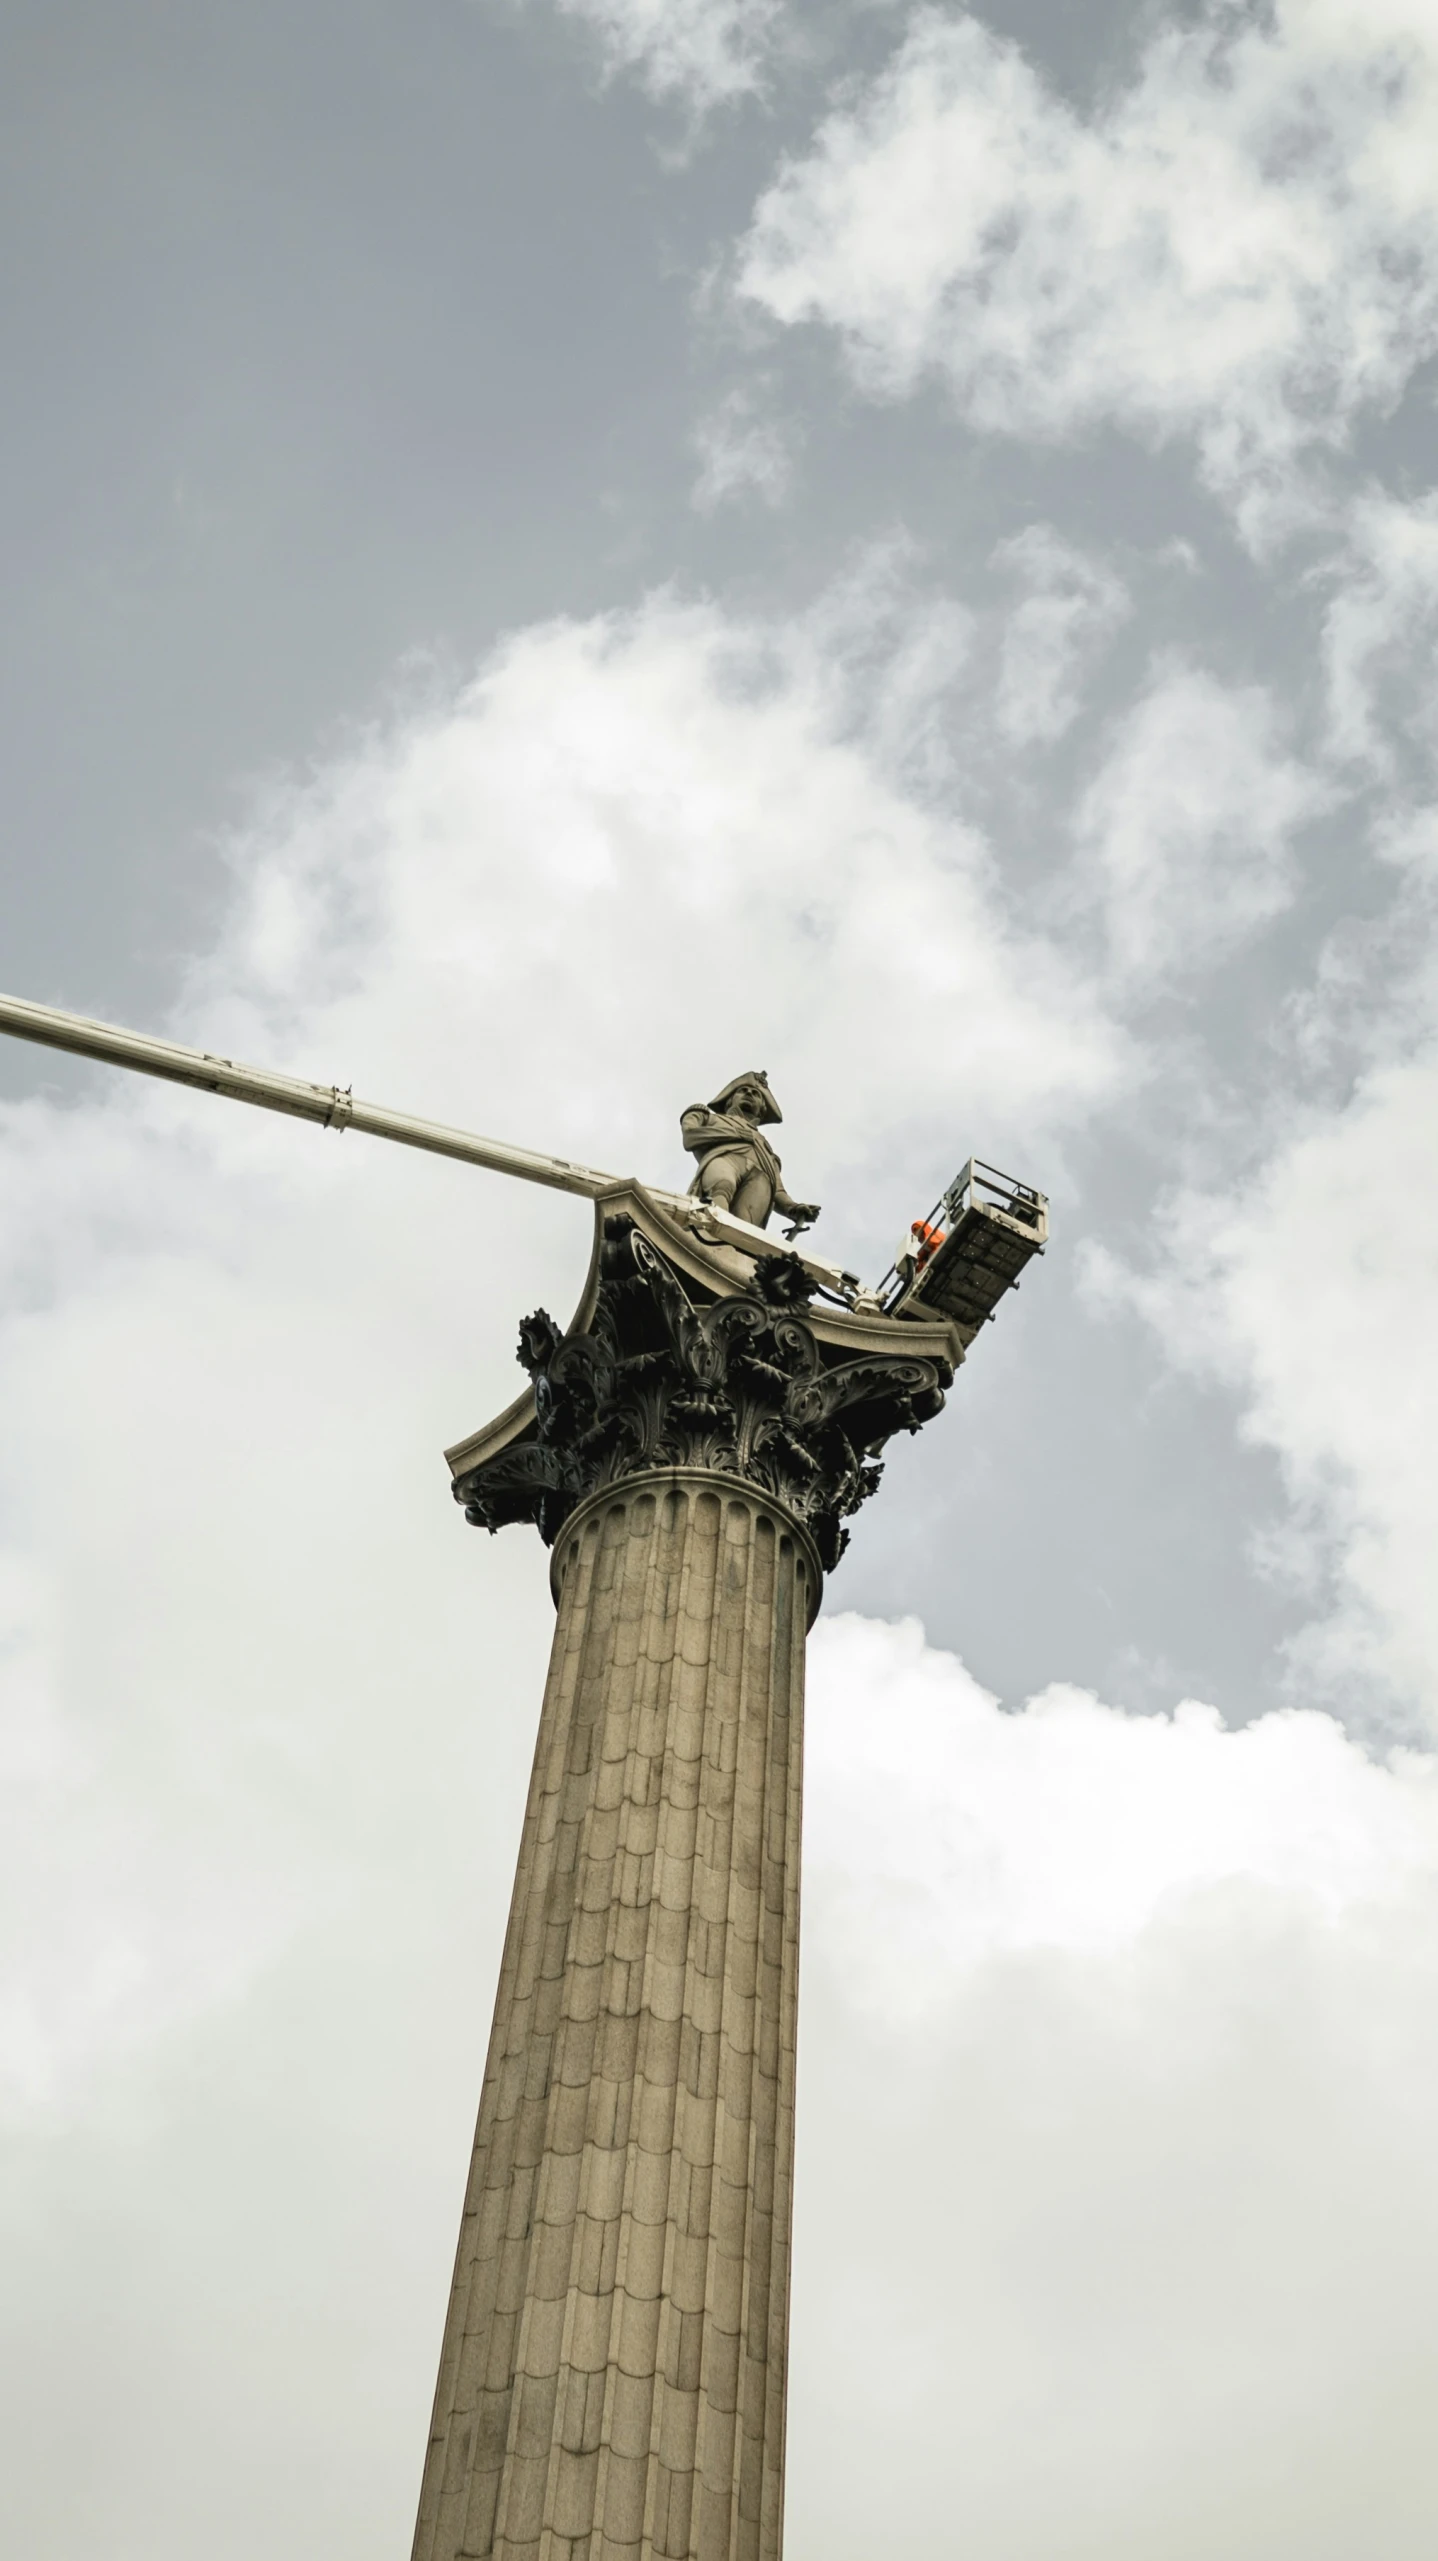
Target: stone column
column 613, row 2373
column 614, row 2362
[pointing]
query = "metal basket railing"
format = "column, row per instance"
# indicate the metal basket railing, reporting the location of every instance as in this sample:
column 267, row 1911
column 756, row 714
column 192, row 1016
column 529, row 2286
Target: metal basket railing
column 977, row 1186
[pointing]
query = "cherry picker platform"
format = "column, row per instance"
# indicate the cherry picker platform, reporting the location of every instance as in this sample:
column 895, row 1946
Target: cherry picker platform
column 974, row 1245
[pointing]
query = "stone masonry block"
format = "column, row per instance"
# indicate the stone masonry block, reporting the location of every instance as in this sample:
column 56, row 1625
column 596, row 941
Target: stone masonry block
column 532, row 2417
column 643, row 2261
column 630, row 2409
column 689, row 2272
column 542, row 2335
column 549, row 2261
column 649, row 2182
column 678, row 2429
column 557, row 2201
column 590, row 2325
column 653, row 2118
column 573, row 2486
column 625, row 2484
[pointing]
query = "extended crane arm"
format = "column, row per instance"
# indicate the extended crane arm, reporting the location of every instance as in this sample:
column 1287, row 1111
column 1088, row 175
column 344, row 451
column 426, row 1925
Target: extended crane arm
column 333, row 1106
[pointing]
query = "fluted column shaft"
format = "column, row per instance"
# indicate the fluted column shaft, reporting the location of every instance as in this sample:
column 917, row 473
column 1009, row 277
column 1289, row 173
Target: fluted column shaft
column 613, row 2373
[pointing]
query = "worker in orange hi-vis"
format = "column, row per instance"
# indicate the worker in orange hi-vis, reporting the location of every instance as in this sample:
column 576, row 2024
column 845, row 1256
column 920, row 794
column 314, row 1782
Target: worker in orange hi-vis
column 919, row 1247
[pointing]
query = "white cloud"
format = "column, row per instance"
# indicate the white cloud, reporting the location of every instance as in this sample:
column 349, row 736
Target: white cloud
column 1072, row 607
column 1313, row 1289
column 700, row 52
column 1119, row 2087
column 268, row 1702
column 703, row 816
column 634, row 854
column 1240, row 246
column 1069, row 1824
column 903, row 658
column 742, row 452
column 1090, row 1979
column 1188, row 825
column 1380, row 635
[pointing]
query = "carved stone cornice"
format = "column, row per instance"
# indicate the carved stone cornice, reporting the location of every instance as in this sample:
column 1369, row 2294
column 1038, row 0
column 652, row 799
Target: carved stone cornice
column 742, row 1384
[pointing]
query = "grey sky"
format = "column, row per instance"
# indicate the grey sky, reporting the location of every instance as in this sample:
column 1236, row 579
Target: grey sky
column 339, row 336
column 1012, row 726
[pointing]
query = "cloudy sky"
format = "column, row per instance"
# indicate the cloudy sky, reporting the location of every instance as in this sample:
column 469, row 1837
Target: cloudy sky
column 555, row 552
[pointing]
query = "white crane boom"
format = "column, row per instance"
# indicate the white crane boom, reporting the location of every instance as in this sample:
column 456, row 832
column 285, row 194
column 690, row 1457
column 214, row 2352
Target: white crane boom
column 333, row 1106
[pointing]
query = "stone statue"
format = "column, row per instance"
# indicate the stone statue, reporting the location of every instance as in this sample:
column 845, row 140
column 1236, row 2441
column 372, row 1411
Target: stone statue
column 738, row 1169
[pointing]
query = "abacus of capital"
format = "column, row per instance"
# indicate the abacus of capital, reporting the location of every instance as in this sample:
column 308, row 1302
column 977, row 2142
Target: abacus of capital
column 612, row 2376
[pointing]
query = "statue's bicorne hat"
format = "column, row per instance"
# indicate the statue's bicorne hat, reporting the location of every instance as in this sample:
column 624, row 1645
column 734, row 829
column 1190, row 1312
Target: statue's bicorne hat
column 753, row 1076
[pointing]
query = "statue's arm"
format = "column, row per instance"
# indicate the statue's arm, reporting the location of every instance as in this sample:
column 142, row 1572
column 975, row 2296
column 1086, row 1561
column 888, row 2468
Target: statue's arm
column 805, row 1211
column 699, row 1127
